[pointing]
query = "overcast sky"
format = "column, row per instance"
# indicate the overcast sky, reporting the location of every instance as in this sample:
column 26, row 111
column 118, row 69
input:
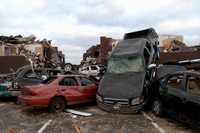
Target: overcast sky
column 75, row 25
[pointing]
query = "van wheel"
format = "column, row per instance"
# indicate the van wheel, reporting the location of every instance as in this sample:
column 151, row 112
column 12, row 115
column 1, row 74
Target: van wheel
column 57, row 105
column 157, row 107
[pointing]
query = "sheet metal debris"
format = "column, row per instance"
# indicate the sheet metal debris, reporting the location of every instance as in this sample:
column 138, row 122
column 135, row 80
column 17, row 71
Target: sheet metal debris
column 80, row 113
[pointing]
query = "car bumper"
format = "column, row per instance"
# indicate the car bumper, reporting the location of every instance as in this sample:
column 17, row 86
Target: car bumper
column 119, row 108
column 33, row 101
column 8, row 93
column 5, row 94
column 15, row 93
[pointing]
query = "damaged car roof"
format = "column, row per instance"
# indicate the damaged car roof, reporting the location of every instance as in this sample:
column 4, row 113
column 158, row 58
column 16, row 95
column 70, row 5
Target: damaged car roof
column 131, row 46
column 168, row 69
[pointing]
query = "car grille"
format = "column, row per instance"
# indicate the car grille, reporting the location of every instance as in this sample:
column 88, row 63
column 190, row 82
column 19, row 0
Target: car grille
column 116, row 100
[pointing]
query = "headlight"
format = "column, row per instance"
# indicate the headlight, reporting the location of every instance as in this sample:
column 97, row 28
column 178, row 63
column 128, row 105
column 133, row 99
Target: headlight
column 99, row 98
column 137, row 100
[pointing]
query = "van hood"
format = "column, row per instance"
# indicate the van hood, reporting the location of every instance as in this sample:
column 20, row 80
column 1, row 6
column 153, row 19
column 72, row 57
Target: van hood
column 122, row 86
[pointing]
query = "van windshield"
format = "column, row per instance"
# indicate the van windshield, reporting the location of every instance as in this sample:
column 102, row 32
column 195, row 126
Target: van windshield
column 125, row 64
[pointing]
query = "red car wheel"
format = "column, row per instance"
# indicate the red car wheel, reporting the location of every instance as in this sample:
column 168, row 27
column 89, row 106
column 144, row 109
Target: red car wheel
column 57, row 104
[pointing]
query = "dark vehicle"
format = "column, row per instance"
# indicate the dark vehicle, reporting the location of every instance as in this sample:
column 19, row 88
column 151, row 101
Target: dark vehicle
column 57, row 92
column 131, row 67
column 25, row 76
column 179, row 91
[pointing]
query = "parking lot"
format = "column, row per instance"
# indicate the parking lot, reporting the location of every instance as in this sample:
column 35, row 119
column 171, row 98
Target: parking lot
column 18, row 119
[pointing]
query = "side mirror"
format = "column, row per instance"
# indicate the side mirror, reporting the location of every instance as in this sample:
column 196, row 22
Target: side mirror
column 151, row 66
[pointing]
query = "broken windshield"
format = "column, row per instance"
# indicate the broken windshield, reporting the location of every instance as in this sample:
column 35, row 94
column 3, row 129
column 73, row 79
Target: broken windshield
column 125, row 64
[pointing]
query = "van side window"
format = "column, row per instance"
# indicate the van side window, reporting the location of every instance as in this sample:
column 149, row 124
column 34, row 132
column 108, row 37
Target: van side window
column 175, row 81
column 193, row 85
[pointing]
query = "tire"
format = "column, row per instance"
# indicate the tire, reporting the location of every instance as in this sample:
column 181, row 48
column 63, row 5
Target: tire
column 157, row 107
column 68, row 67
column 57, row 105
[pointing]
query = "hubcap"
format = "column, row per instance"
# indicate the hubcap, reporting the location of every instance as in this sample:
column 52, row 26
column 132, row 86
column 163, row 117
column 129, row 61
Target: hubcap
column 68, row 67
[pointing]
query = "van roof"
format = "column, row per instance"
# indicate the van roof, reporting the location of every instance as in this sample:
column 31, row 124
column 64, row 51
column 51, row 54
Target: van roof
column 149, row 33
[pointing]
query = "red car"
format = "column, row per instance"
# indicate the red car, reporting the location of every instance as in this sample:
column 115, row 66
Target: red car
column 57, row 92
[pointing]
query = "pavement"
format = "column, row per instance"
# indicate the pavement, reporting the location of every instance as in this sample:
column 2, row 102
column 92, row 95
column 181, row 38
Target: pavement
column 19, row 119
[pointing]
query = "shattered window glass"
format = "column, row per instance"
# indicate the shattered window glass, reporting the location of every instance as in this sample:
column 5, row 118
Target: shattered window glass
column 193, row 85
column 125, row 64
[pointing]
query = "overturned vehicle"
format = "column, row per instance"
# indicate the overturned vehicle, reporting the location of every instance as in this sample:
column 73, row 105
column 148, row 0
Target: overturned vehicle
column 131, row 67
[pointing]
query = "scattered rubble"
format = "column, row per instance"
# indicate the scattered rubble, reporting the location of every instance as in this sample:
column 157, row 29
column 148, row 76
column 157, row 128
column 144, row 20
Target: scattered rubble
column 99, row 54
column 40, row 53
column 115, row 92
column 187, row 56
column 80, row 113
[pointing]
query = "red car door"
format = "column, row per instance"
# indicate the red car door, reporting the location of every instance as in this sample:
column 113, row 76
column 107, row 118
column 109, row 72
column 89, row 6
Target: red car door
column 88, row 88
column 69, row 88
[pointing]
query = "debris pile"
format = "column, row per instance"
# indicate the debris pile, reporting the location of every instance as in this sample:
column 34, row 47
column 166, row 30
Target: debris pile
column 40, row 53
column 99, row 54
column 137, row 74
column 174, row 51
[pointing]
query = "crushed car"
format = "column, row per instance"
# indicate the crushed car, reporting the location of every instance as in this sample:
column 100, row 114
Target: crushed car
column 178, row 91
column 60, row 91
column 125, row 86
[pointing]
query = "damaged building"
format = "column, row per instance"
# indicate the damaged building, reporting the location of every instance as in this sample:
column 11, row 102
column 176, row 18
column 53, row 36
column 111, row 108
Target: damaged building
column 173, row 50
column 99, row 54
column 40, row 53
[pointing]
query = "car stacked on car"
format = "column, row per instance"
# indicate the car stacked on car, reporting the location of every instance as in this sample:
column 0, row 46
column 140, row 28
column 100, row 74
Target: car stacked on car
column 125, row 87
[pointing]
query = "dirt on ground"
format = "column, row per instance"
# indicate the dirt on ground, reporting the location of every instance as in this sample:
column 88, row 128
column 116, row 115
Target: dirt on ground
column 19, row 119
